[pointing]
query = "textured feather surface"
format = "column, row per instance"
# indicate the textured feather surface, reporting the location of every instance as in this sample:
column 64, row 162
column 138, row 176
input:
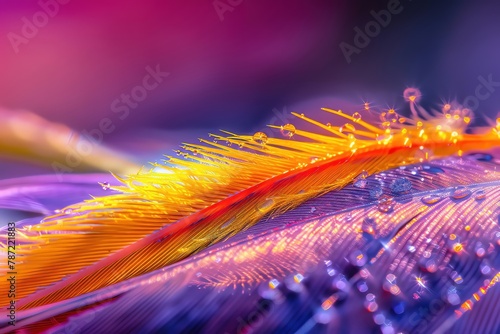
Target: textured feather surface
column 423, row 259
column 214, row 193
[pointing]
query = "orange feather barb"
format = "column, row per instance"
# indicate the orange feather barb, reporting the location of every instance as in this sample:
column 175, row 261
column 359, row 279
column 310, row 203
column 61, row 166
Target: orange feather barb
column 218, row 189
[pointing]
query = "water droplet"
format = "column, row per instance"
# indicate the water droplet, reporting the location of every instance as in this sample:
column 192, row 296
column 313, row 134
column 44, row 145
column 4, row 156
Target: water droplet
column 395, row 289
column 480, row 249
column 391, row 116
column 428, row 263
column 293, row 283
column 266, row 205
column 400, row 185
column 288, row 130
column 456, row 277
column 360, row 183
column 481, row 156
column 358, row 258
column 356, row 116
column 362, row 286
column 385, row 125
column 391, row 278
column 340, row 282
column 412, row 94
column 460, row 193
column 453, row 298
column 105, row 185
column 270, row 290
column 68, row 211
column 433, row 169
column 385, row 204
column 411, row 249
column 360, row 180
column 485, row 267
column 260, row 138
column 331, row 272
column 480, row 195
column 457, row 247
column 346, row 128
column 431, row 199
column 371, row 306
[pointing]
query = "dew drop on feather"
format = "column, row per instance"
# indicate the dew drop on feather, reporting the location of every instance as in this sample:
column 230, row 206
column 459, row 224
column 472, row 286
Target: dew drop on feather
column 412, row 95
column 431, row 199
column 288, row 130
column 266, row 205
column 391, row 116
column 480, row 195
column 260, row 138
column 460, row 193
column 400, row 185
column 433, row 169
column 360, row 180
column 385, row 204
column 347, row 128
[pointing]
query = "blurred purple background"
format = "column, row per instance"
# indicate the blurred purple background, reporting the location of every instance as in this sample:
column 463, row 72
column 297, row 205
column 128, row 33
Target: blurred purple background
column 231, row 62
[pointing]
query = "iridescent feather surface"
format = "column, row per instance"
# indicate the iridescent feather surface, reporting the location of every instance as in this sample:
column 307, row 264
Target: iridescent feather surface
column 352, row 228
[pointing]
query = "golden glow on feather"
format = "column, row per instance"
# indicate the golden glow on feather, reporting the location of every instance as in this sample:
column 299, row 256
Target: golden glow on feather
column 216, row 190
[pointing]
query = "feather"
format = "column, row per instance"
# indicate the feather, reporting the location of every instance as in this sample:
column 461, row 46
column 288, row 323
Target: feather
column 421, row 257
column 172, row 211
